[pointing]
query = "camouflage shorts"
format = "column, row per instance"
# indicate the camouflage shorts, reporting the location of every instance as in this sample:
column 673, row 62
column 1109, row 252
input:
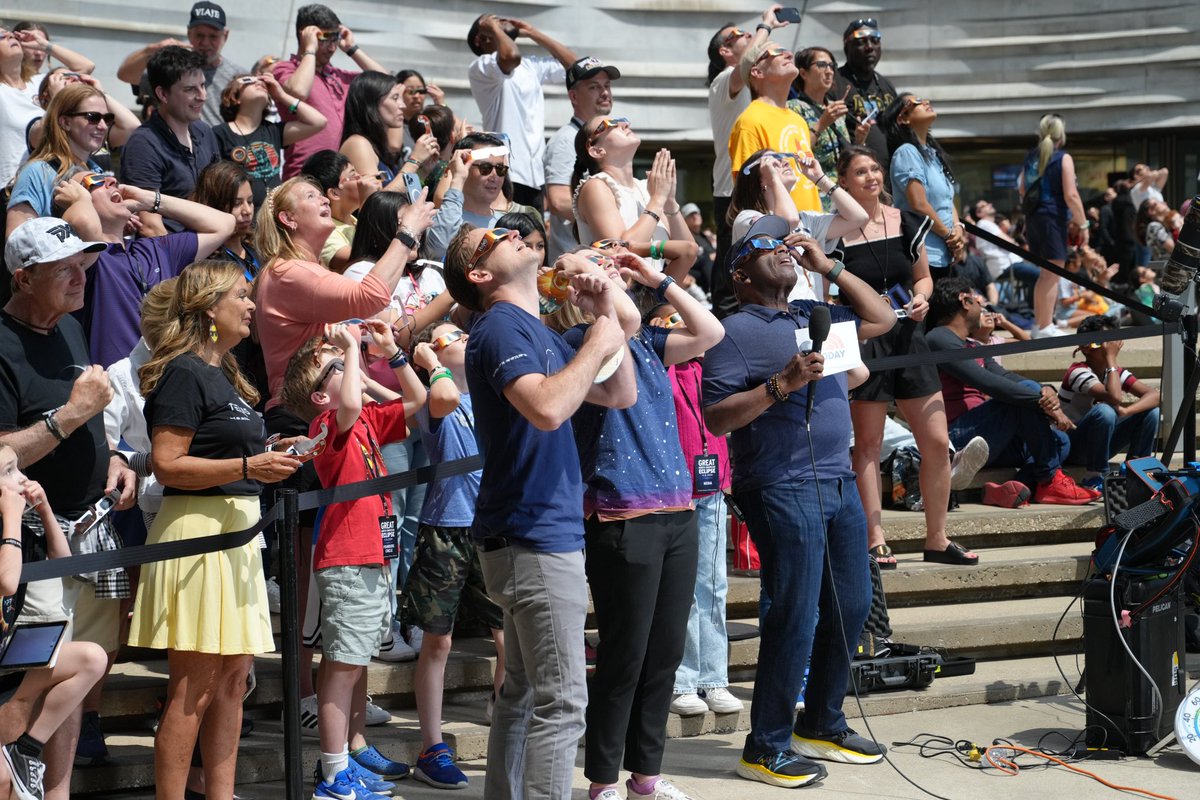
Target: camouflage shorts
column 446, row 578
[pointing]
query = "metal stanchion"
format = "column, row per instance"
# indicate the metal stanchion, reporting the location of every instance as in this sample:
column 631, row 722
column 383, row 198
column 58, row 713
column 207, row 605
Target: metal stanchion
column 288, row 529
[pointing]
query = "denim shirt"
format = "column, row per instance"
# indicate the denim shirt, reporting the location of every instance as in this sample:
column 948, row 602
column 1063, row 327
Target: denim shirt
column 924, row 166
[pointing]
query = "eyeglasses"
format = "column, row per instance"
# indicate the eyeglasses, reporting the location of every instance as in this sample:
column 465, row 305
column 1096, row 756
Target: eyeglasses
column 94, row 117
column 607, row 124
column 334, row 365
column 609, row 244
column 491, row 238
column 773, row 52
column 446, row 339
column 823, row 65
column 95, row 180
column 755, row 245
column 416, row 92
column 486, row 167
column 771, row 155
column 733, row 36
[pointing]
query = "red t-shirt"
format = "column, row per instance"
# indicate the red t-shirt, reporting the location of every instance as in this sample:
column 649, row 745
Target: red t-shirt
column 349, row 534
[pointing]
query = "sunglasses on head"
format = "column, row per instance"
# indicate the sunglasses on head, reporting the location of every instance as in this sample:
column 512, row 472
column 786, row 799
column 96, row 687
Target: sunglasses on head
column 609, row 244
column 491, row 238
column 607, row 124
column 95, row 180
column 446, row 339
column 485, row 168
column 94, row 117
column 733, row 36
column 334, row 365
column 757, row 245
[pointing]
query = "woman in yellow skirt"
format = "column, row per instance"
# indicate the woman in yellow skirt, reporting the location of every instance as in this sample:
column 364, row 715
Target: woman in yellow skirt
column 208, row 611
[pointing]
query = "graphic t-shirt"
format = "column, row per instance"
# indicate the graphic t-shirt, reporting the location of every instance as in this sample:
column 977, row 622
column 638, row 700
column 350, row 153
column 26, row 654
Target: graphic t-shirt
column 764, row 126
column 259, row 152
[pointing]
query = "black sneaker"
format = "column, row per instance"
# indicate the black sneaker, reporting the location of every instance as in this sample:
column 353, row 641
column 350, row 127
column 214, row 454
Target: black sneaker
column 27, row 773
column 847, row 747
column 780, row 769
column 91, row 749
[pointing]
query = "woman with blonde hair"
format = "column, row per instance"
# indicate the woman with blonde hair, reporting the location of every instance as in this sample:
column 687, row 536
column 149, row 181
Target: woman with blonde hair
column 1053, row 209
column 207, row 450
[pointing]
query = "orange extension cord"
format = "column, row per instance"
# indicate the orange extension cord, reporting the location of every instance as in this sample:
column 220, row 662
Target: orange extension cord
column 1010, row 768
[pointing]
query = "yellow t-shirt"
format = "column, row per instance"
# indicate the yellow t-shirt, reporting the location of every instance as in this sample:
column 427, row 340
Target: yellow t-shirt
column 764, row 126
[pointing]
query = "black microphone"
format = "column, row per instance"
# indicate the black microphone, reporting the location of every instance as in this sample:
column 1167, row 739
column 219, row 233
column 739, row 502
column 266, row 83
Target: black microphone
column 818, row 331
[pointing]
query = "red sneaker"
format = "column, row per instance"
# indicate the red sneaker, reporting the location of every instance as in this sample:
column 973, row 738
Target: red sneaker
column 1010, row 494
column 1062, row 490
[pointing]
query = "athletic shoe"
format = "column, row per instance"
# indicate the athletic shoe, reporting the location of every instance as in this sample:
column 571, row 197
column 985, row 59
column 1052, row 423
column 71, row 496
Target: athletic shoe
column 344, row 786
column 784, row 769
column 609, row 794
column 374, row 761
column 26, row 772
column 436, row 767
column 369, row 779
column 398, row 650
column 1061, row 490
column 688, row 705
column 308, row 716
column 376, row 715
column 967, row 462
column 415, row 636
column 274, row 603
column 1010, row 494
column 720, row 701
column 847, row 747
column 91, row 749
column 1094, row 483
column 663, row 790
column 1046, row 332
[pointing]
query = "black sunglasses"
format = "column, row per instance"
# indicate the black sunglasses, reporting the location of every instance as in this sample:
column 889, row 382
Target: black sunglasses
column 94, row 117
column 486, row 167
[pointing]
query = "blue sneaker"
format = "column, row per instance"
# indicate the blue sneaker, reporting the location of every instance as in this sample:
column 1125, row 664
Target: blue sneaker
column 370, row 780
column 1095, row 483
column 436, row 767
column 344, row 786
column 372, row 760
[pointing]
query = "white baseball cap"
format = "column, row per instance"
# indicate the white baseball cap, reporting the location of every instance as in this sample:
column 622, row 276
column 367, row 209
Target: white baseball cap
column 42, row 240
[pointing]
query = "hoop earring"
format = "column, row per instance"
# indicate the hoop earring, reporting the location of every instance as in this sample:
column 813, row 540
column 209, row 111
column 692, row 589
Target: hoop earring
column 212, row 332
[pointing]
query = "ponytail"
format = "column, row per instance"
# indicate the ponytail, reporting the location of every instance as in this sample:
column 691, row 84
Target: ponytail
column 1052, row 134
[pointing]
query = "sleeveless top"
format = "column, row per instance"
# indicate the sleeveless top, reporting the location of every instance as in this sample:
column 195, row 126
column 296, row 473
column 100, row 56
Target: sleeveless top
column 631, row 202
column 883, row 263
column 1052, row 203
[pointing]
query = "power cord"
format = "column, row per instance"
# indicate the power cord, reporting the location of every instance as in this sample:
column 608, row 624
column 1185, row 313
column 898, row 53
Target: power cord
column 1156, row 695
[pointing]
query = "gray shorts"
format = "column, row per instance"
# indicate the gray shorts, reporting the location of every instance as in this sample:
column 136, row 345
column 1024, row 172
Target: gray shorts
column 355, row 611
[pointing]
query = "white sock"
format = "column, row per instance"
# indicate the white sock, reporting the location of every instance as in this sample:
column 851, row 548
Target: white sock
column 333, row 763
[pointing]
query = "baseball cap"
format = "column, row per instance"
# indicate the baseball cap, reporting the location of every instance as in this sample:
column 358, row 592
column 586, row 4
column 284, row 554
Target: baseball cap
column 206, row 13
column 868, row 27
column 587, row 67
column 769, row 225
column 42, row 240
column 689, row 209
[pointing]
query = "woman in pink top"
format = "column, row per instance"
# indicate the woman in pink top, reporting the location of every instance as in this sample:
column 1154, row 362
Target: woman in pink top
column 296, row 296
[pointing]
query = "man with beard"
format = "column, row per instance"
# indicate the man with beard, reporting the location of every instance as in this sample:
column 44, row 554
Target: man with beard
column 870, row 92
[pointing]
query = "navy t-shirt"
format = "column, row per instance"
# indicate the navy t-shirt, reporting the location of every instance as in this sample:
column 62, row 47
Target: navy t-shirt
column 773, row 448
column 531, row 489
column 154, row 158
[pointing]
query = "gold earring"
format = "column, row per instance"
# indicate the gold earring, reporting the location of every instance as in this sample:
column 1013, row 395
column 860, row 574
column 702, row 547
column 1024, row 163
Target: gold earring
column 212, row 332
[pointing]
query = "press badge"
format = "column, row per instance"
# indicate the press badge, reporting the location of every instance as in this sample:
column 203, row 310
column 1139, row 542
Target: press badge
column 706, row 475
column 388, row 531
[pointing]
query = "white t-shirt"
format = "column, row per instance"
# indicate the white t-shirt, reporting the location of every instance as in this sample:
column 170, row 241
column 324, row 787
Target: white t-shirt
column 1139, row 196
column 16, row 111
column 722, row 113
column 560, row 165
column 514, row 104
column 817, row 225
column 411, row 292
column 997, row 258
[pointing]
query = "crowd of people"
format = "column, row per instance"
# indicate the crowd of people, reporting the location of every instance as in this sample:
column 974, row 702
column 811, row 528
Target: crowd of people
column 300, row 275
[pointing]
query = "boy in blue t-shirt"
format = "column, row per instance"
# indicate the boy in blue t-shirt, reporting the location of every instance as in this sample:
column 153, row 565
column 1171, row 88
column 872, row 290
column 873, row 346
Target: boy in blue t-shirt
column 445, row 575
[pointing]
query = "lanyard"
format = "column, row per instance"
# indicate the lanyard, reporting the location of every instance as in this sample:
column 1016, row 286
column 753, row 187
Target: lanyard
column 373, row 460
column 249, row 264
column 696, row 413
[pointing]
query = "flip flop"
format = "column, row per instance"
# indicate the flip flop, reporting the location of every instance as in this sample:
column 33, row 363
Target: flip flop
column 883, row 556
column 954, row 554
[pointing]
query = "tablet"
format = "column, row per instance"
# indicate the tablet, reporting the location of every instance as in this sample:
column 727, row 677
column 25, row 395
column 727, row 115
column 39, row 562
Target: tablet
column 33, row 645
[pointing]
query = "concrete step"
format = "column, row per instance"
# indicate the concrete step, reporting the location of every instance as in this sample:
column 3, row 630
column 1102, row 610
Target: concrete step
column 975, row 525
column 1141, row 356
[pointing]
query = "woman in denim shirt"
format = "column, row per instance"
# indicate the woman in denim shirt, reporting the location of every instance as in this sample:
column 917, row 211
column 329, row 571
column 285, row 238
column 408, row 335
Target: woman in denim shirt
column 921, row 178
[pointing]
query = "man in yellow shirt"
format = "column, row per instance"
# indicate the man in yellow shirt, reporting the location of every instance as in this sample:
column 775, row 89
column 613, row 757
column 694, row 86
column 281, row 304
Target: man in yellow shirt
column 767, row 123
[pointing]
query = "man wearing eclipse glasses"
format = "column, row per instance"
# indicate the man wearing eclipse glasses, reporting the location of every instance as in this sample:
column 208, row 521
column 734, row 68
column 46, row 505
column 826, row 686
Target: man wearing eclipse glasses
column 870, row 92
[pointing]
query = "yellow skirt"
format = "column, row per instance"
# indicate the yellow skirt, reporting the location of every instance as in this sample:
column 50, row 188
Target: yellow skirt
column 210, row 603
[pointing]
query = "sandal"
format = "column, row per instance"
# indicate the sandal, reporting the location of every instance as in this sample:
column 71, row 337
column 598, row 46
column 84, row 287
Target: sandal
column 954, row 554
column 883, row 556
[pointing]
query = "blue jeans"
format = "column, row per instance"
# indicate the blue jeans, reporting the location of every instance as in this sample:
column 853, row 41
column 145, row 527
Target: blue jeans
column 705, row 663
column 1017, row 436
column 1101, row 433
column 406, row 504
column 818, row 604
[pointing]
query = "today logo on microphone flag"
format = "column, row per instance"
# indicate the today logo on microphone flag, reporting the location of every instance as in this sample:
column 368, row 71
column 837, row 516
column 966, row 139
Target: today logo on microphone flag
column 840, row 349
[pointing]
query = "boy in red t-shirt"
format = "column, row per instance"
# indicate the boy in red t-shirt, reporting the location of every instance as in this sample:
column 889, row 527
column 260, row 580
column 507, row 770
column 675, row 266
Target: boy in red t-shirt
column 356, row 539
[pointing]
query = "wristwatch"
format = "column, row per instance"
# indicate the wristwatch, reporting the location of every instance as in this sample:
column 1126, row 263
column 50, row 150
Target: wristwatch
column 406, row 238
column 834, row 271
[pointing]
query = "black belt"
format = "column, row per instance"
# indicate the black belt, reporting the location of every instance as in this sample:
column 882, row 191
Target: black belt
column 489, row 543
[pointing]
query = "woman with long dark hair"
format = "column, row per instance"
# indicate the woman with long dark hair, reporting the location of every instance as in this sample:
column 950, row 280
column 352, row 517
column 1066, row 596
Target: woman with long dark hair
column 374, row 117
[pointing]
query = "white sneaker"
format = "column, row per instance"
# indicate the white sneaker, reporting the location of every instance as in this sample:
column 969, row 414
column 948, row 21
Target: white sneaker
column 273, row 597
column 308, row 716
column 967, row 462
column 1047, row 332
column 376, row 715
column 397, row 651
column 688, row 705
column 720, row 701
column 415, row 637
column 663, row 790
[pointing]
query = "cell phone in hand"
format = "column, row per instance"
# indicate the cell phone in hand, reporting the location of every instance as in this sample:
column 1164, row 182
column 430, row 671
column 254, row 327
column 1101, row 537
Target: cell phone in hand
column 788, row 15
column 412, row 186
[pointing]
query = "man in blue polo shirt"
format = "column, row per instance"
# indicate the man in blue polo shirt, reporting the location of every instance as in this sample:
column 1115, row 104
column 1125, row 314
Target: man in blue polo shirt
column 809, row 528
column 526, row 383
column 168, row 152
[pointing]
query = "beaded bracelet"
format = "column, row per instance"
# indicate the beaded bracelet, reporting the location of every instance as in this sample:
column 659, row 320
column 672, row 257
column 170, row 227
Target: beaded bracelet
column 774, row 389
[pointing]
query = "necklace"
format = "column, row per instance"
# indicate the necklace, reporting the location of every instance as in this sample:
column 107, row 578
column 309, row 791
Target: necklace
column 30, row 325
column 883, row 267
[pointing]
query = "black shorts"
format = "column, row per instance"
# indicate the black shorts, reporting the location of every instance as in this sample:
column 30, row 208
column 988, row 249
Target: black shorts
column 898, row 384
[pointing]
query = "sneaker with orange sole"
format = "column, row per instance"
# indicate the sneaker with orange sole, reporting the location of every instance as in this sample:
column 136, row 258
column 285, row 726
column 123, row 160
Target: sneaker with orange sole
column 1062, row 490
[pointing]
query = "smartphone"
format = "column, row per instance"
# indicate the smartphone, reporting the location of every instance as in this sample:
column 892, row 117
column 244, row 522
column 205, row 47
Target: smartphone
column 870, row 116
column 899, row 296
column 788, row 15
column 412, row 185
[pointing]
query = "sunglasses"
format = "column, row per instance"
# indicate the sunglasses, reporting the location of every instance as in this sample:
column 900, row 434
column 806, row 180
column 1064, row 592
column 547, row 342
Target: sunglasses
column 95, row 180
column 868, row 29
column 733, row 36
column 773, row 52
column 446, row 339
column 485, row 168
column 609, row 244
column 325, row 36
column 335, row 365
column 416, row 92
column 246, row 80
column 604, row 262
column 756, row 245
column 770, row 155
column 673, row 321
column 607, row 124
column 491, row 238
column 94, row 117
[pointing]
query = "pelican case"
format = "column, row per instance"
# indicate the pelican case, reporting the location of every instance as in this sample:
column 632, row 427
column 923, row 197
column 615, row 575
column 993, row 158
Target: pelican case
column 905, row 666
